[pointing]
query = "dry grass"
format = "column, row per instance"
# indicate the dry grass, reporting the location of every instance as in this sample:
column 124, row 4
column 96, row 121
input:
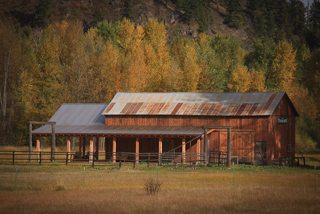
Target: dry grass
column 210, row 190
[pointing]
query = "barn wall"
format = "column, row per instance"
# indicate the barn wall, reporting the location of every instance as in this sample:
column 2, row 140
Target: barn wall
column 281, row 134
column 266, row 128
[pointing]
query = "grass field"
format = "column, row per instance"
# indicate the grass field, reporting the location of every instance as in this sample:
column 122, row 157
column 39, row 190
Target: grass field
column 51, row 188
column 71, row 189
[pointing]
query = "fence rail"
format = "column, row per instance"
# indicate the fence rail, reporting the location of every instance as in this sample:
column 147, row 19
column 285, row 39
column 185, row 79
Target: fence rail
column 102, row 157
column 117, row 158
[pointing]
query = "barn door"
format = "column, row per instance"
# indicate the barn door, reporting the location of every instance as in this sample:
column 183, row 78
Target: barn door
column 260, row 150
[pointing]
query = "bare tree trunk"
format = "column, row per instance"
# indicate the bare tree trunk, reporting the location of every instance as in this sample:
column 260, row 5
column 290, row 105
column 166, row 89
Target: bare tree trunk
column 3, row 97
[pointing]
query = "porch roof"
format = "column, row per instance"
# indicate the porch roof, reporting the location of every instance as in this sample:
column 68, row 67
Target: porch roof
column 102, row 130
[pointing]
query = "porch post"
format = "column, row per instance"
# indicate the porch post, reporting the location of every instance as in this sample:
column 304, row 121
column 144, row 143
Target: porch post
column 84, row 147
column 38, row 148
column 53, row 143
column 198, row 150
column 30, row 141
column 80, row 140
column 97, row 147
column 91, row 150
column 205, row 141
column 160, row 149
column 68, row 148
column 137, row 150
column 105, row 148
column 114, row 150
column 183, row 150
column 229, row 149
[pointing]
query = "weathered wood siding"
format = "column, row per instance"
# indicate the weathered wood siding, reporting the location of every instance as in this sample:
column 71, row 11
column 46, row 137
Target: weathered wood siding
column 266, row 128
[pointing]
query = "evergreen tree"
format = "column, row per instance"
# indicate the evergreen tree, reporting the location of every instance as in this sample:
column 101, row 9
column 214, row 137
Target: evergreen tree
column 235, row 15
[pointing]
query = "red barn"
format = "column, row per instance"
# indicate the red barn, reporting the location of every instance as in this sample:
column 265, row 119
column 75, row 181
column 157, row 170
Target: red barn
column 262, row 125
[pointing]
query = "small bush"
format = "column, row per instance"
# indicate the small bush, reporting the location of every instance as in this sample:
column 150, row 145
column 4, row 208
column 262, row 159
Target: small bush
column 151, row 186
column 60, row 188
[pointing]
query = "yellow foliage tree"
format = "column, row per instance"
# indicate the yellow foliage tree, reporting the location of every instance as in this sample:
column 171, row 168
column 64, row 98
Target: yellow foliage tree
column 134, row 68
column 157, row 55
column 283, row 67
column 258, row 80
column 240, row 80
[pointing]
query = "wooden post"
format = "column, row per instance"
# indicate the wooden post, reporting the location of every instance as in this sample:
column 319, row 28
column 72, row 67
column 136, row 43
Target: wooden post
column 38, row 149
column 91, row 150
column 183, row 150
column 205, row 141
column 68, row 149
column 105, row 148
column 137, row 150
column 97, row 147
column 53, row 143
column 229, row 149
column 198, row 150
column 252, row 149
column 80, row 140
column 30, row 142
column 160, row 149
column 84, row 147
column 114, row 150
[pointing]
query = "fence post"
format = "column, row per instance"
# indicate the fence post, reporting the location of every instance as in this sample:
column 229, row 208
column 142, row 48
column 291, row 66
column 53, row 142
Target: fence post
column 67, row 157
column 148, row 159
column 13, row 157
column 92, row 161
column 120, row 161
column 40, row 159
column 134, row 164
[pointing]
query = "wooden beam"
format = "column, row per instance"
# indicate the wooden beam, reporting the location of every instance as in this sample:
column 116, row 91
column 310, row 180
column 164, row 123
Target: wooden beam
column 160, row 149
column 205, row 141
column 38, row 149
column 68, row 148
column 137, row 150
column 30, row 142
column 84, row 147
column 114, row 150
column 97, row 147
column 229, row 149
column 80, row 140
column 183, row 150
column 91, row 150
column 198, row 150
column 53, row 143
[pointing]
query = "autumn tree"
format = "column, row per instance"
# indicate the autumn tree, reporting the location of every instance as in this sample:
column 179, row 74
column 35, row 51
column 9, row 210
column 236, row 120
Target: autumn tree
column 134, row 68
column 240, row 80
column 186, row 57
column 283, row 67
column 157, row 55
column 10, row 56
column 211, row 78
column 48, row 80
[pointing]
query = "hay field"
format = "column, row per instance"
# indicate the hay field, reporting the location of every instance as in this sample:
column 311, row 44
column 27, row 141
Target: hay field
column 70, row 189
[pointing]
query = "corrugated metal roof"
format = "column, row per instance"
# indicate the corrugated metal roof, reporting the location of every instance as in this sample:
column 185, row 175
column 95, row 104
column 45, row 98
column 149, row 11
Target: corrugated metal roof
column 208, row 104
column 119, row 130
column 77, row 114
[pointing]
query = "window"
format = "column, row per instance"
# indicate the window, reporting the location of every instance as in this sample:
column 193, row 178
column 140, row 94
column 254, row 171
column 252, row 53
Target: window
column 289, row 148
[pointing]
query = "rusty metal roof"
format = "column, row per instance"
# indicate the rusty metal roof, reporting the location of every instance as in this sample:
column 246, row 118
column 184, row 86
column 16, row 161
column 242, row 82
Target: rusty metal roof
column 118, row 130
column 207, row 104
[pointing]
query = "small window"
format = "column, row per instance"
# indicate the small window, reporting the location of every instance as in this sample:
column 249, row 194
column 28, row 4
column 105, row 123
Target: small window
column 289, row 148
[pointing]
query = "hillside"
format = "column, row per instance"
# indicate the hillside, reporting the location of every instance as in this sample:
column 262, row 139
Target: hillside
column 90, row 12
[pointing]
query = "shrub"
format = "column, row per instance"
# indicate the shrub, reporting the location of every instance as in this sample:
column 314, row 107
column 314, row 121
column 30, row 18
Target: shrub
column 151, row 186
